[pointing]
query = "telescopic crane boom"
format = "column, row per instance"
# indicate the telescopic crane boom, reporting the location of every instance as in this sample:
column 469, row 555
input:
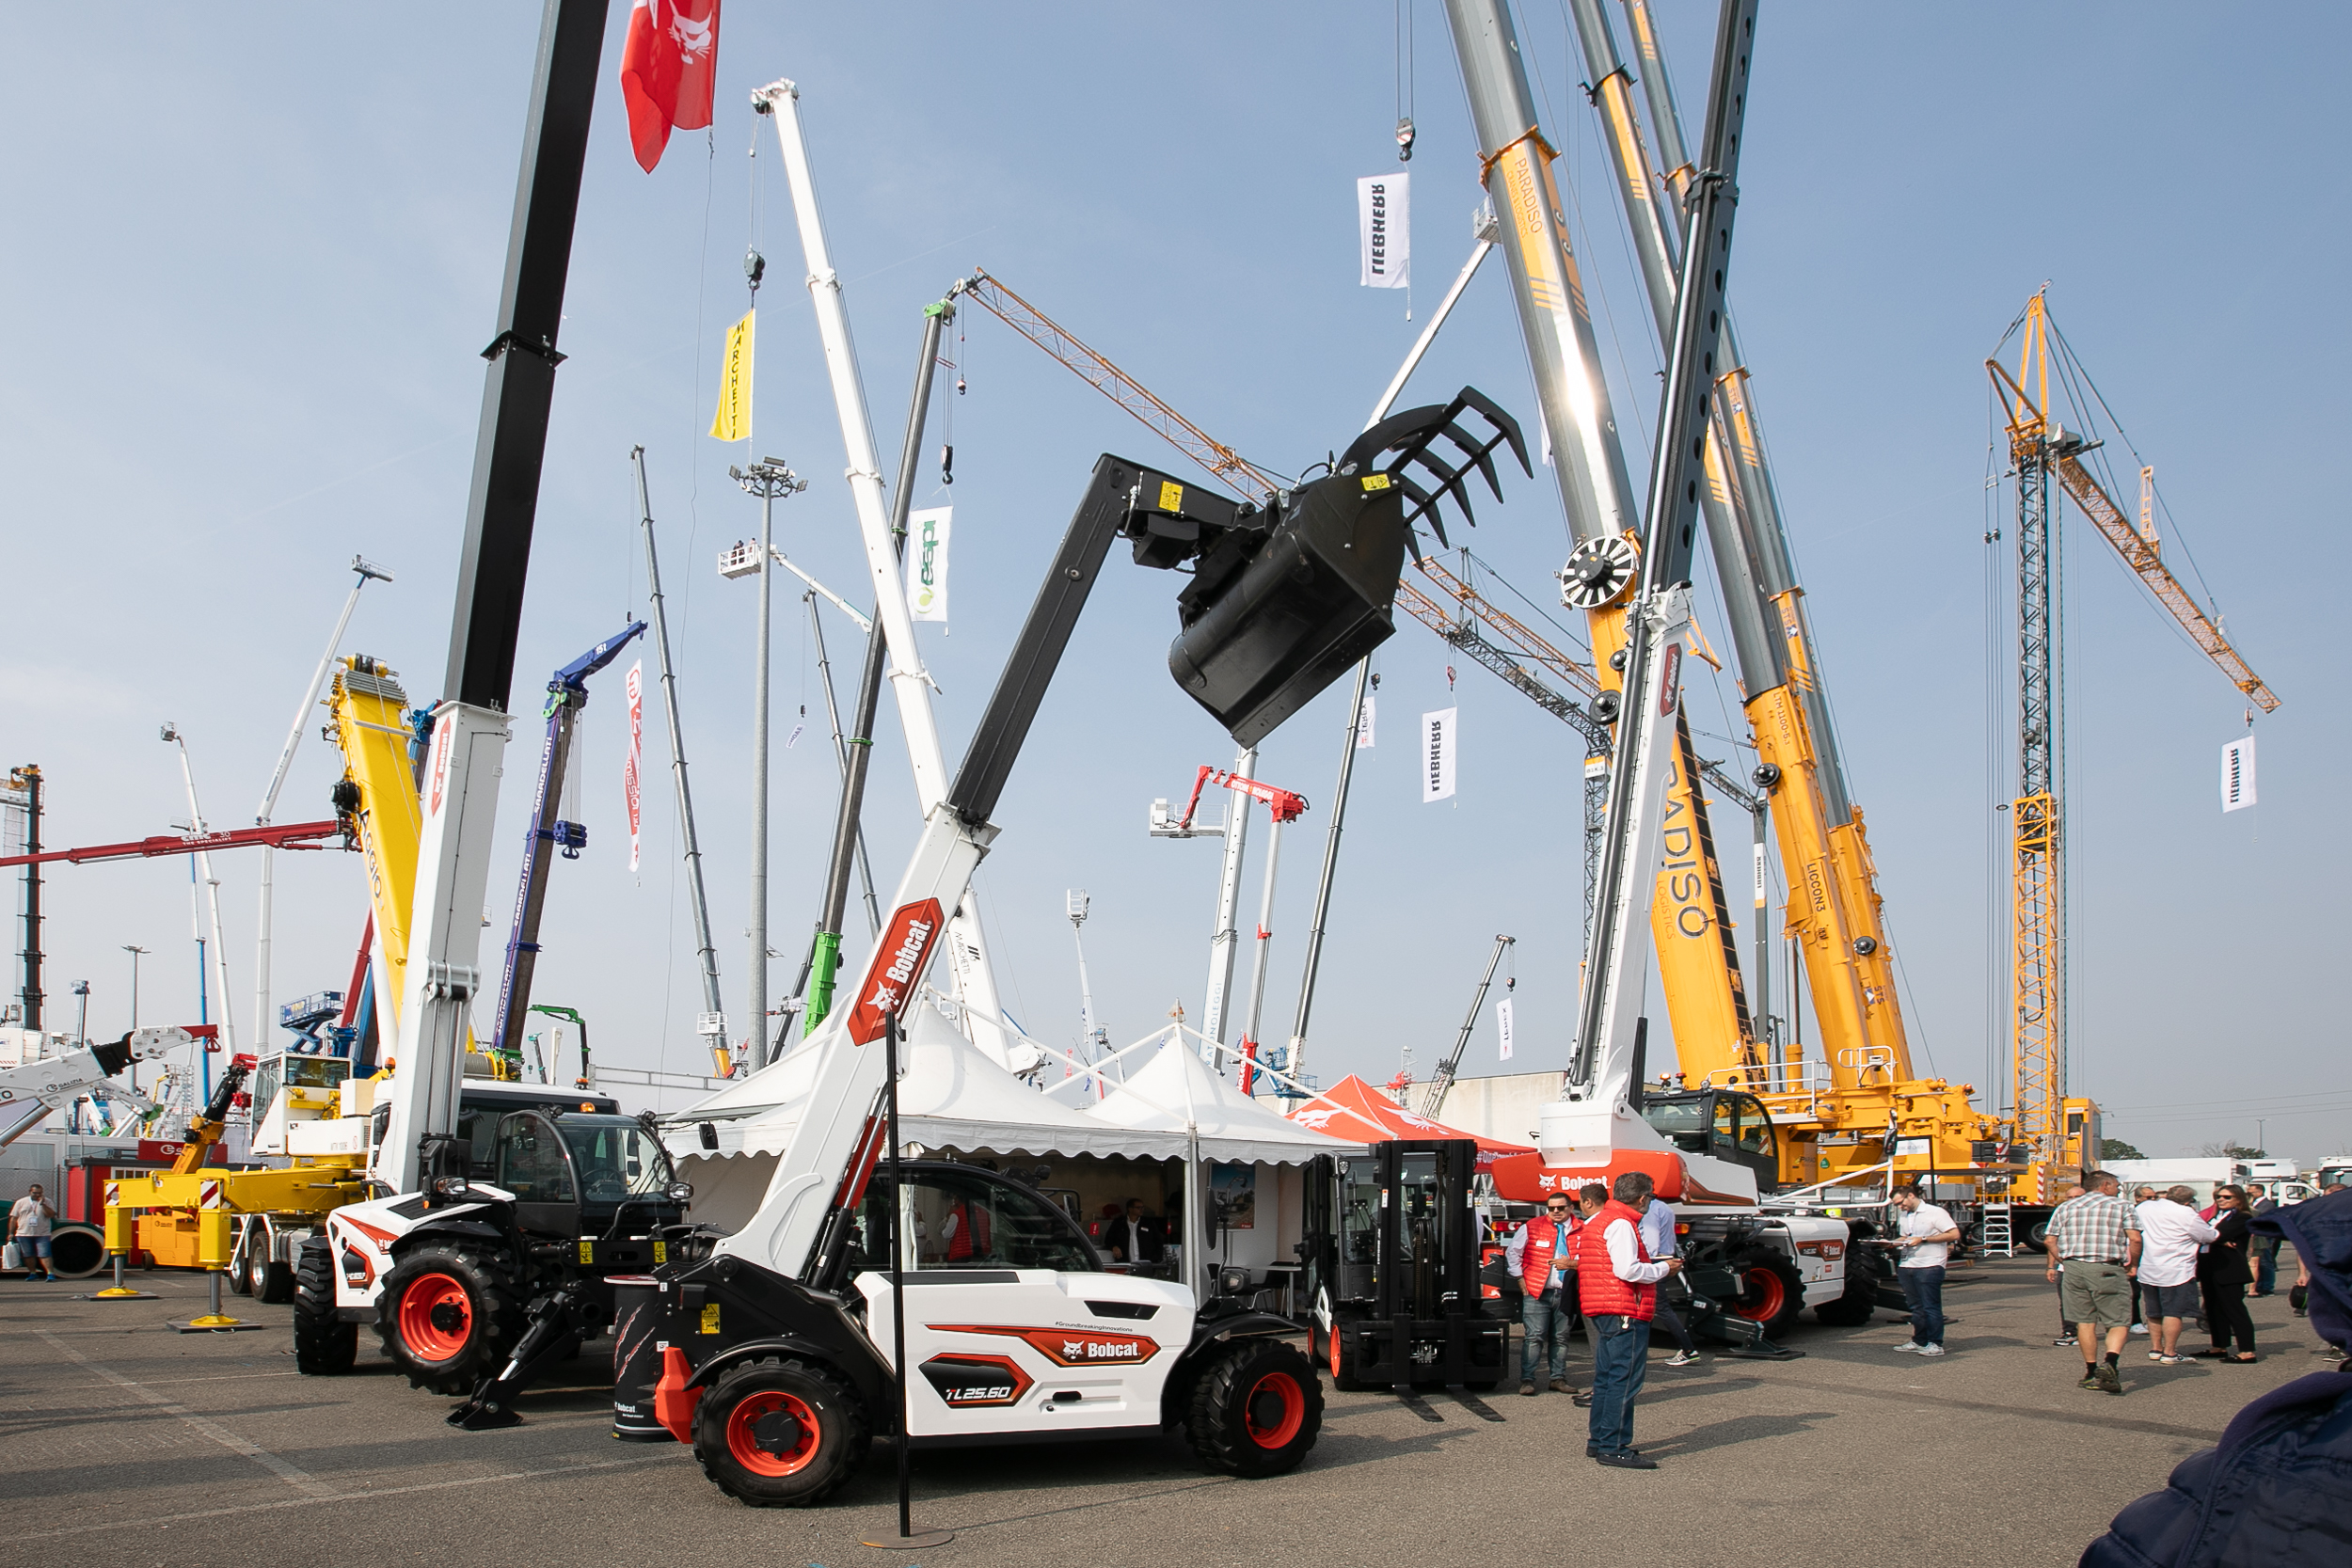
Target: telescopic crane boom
column 567, row 694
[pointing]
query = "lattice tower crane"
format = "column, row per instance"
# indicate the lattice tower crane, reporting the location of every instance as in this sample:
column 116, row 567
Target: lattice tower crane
column 2041, row 446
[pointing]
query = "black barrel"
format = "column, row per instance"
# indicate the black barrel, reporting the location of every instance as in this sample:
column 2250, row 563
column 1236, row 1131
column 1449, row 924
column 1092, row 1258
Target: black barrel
column 636, row 1358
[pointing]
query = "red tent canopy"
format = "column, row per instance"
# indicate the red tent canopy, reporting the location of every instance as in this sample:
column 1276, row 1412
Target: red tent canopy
column 1353, row 1109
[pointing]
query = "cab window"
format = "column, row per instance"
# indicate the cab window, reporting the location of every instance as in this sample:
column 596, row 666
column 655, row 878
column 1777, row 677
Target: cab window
column 531, row 1162
column 615, row 1159
column 954, row 1221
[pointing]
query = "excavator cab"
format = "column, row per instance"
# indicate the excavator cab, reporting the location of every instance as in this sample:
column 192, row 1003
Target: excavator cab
column 1724, row 1123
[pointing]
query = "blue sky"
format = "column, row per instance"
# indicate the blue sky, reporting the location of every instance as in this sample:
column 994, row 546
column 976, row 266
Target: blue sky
column 241, row 345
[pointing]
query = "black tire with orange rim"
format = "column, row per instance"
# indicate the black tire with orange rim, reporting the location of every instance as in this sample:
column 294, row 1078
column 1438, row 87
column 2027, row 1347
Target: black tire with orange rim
column 449, row 1314
column 1256, row 1408
column 781, row 1432
column 1772, row 1292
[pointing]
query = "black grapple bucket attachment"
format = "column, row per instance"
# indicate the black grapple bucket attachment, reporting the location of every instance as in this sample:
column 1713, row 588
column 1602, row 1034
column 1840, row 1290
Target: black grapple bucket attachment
column 1265, row 632
column 1282, row 601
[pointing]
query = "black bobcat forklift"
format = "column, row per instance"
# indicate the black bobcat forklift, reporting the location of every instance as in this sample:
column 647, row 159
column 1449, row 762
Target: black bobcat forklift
column 1393, row 1265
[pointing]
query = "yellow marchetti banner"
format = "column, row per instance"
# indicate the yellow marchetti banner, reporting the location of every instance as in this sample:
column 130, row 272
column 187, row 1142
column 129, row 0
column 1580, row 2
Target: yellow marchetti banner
column 732, row 421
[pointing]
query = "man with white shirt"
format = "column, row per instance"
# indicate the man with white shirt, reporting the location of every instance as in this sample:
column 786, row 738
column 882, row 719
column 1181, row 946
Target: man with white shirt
column 2170, row 1232
column 1619, row 1282
column 1924, row 1234
column 1658, row 1236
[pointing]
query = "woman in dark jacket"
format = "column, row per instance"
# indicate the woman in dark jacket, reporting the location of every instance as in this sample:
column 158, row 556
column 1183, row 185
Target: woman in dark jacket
column 2222, row 1275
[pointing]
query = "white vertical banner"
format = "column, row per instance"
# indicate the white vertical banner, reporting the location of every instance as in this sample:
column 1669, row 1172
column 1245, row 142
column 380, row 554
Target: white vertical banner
column 1384, row 227
column 1436, row 754
column 632, row 776
column 2238, row 774
column 1762, row 893
column 1363, row 729
column 1502, row 1018
column 927, row 564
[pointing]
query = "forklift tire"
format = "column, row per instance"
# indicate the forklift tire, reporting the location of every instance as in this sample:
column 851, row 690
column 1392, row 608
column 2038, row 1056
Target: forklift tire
column 781, row 1432
column 1771, row 1294
column 448, row 1315
column 1329, row 1347
column 325, row 1345
column 1255, row 1409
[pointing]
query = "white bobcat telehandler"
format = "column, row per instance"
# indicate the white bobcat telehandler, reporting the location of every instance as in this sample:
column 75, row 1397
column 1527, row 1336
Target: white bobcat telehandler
column 779, row 1343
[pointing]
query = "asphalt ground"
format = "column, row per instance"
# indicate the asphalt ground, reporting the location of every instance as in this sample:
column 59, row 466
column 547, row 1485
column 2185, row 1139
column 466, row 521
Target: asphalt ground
column 126, row 1443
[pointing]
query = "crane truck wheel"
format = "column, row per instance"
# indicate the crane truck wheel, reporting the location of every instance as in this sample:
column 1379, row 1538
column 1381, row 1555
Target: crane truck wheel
column 1772, row 1292
column 264, row 1279
column 1255, row 1409
column 781, row 1432
column 448, row 1315
column 325, row 1345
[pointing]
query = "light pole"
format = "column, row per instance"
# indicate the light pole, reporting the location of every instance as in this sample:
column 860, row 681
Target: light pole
column 1095, row 1039
column 137, row 951
column 766, row 479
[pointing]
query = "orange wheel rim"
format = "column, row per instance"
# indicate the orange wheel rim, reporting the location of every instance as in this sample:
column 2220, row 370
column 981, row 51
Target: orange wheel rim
column 1335, row 1351
column 1771, row 1294
column 1275, row 1410
column 771, row 1433
column 435, row 1317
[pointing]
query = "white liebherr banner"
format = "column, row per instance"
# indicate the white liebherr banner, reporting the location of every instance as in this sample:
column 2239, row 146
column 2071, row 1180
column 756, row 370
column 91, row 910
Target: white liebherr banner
column 632, row 776
column 1436, row 754
column 1384, row 227
column 1363, row 730
column 2238, row 774
column 927, row 564
column 1502, row 1018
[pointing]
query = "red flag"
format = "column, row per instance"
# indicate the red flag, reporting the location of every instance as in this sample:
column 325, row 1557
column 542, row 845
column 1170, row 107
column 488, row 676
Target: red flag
column 668, row 66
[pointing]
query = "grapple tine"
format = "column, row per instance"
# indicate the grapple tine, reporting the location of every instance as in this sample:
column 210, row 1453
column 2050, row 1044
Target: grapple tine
column 1477, row 452
column 1473, row 397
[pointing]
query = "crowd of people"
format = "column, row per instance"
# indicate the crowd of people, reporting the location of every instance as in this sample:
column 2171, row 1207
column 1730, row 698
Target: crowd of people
column 1606, row 1260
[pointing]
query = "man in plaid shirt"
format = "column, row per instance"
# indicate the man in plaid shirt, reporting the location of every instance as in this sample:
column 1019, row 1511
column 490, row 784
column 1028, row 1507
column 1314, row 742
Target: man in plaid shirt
column 2097, row 1237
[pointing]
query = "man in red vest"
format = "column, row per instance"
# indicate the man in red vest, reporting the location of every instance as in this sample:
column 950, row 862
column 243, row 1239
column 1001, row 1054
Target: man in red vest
column 1543, row 1257
column 1618, row 1284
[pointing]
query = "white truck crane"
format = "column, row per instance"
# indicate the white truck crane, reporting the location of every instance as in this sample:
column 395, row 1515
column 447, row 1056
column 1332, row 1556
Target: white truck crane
column 1751, row 1270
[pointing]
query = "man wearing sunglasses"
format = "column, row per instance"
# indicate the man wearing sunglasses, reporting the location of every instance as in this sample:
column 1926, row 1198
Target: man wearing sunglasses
column 1540, row 1257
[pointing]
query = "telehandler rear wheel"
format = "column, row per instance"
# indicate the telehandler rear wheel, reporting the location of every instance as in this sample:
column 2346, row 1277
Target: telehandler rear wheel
column 781, row 1432
column 1330, row 1348
column 449, row 1314
column 1255, row 1409
column 325, row 1345
column 1860, row 1302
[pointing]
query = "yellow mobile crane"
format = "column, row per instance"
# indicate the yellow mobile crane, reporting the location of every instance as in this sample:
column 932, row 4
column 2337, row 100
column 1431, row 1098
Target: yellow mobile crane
column 1868, row 1106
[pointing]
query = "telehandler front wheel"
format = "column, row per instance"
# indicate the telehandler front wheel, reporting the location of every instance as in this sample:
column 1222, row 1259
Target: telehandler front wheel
column 781, row 1432
column 1255, row 1409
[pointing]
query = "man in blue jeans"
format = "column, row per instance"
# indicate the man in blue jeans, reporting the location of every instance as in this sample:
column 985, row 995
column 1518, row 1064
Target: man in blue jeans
column 1542, row 1257
column 1617, row 1282
column 1924, row 1234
